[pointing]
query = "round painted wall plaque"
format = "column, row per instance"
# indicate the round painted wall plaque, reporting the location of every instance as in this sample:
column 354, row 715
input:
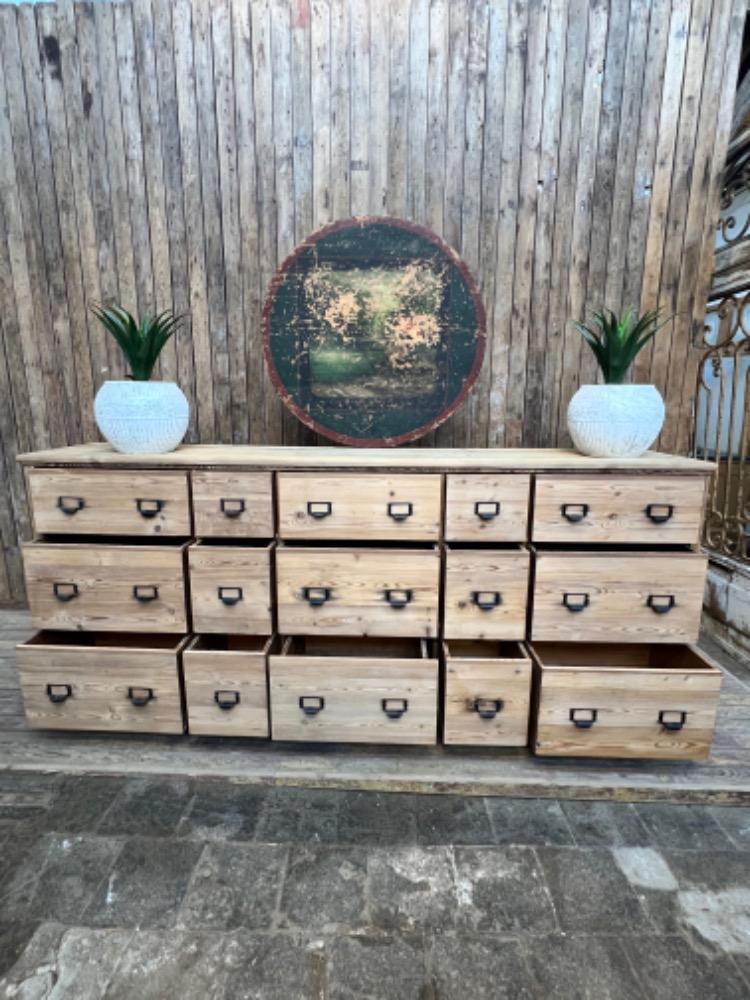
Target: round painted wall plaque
column 373, row 331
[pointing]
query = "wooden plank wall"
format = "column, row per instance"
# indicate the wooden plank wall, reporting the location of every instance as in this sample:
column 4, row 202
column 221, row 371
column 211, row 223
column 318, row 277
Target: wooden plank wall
column 171, row 153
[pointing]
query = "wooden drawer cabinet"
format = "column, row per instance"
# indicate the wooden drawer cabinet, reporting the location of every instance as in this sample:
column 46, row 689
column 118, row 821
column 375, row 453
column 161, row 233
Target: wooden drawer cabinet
column 226, row 686
column 363, row 691
column 625, row 701
column 138, row 588
column 637, row 510
column 114, row 682
column 618, row 596
column 357, row 591
column 230, row 587
column 486, row 508
column 486, row 592
column 232, row 504
column 109, row 502
column 487, row 692
column 378, row 507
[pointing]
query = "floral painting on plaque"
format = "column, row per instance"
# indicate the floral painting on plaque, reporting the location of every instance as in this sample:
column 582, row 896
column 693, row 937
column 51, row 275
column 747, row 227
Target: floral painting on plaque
column 374, row 331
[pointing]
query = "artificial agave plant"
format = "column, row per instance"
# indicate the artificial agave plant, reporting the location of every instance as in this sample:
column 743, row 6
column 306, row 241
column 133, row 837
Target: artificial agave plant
column 141, row 342
column 616, row 340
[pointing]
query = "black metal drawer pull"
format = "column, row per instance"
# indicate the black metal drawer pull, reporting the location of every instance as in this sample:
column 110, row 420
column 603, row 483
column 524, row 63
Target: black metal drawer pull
column 65, row 591
column 226, row 700
column 312, row 704
column 58, row 693
column 232, row 507
column 487, row 708
column 659, row 512
column 145, row 592
column 150, row 508
column 486, row 510
column 71, row 505
column 660, row 604
column 574, row 512
column 399, row 598
column 486, row 600
column 400, row 510
column 576, row 602
column 672, row 721
column 394, row 708
column 230, row 595
column 140, row 696
column 315, row 596
column 583, row 718
column 319, row 508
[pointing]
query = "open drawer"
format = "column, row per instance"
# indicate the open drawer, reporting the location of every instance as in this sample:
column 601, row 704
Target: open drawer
column 102, row 680
column 633, row 700
column 354, row 691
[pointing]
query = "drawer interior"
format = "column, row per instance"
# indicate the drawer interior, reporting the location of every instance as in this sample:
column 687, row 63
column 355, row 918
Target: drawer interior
column 230, row 644
column 344, row 646
column 231, row 543
column 106, row 640
column 124, row 542
column 484, row 649
column 635, row 656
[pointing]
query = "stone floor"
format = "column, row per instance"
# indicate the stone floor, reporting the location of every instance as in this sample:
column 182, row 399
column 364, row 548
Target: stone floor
column 137, row 888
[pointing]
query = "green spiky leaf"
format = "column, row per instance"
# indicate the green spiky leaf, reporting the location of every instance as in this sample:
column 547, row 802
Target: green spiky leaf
column 616, row 341
column 140, row 342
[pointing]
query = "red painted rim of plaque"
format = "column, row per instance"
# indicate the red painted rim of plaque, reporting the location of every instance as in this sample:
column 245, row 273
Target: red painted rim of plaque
column 413, row 435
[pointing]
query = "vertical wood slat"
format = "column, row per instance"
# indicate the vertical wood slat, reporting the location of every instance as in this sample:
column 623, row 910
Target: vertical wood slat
column 170, row 155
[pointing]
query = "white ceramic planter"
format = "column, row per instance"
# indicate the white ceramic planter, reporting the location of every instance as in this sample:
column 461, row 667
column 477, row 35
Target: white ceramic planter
column 615, row 421
column 142, row 417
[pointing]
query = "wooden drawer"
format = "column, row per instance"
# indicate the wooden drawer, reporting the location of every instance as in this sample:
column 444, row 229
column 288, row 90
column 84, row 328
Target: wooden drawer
column 357, row 591
column 354, row 691
column 618, row 596
column 487, row 689
column 486, row 592
column 230, row 587
column 359, row 506
column 225, row 685
column 109, row 502
column 486, row 508
column 138, row 588
column 625, row 701
column 102, row 681
column 232, row 504
column 641, row 509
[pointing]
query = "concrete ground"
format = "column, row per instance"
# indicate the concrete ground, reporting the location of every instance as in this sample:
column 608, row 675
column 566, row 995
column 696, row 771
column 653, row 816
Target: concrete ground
column 143, row 888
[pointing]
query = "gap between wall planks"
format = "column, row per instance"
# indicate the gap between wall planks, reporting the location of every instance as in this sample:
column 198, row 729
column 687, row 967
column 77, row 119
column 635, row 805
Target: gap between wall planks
column 171, row 154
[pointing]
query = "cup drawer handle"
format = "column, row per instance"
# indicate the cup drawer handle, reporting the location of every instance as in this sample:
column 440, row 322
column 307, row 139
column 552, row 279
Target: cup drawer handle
column 226, row 700
column 574, row 512
column 319, row 509
column 140, row 696
column 488, row 708
column 231, row 507
column 399, row 598
column 145, row 592
column 660, row 604
column 672, row 721
column 400, row 510
column 311, row 704
column 583, row 718
column 576, row 602
column 659, row 513
column 149, row 508
column 394, row 708
column 70, row 505
column 486, row 600
column 58, row 693
column 487, row 510
column 316, row 596
column 65, row 591
column 230, row 595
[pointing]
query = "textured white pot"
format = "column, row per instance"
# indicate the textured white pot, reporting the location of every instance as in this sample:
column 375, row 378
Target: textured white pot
column 615, row 421
column 142, row 417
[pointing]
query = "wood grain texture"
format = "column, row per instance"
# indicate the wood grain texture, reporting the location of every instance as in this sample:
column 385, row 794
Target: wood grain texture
column 230, row 588
column 486, row 508
column 486, row 592
column 214, row 676
column 170, row 155
column 232, row 504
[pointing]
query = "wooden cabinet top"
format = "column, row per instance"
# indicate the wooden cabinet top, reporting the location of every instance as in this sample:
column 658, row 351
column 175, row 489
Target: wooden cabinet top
column 439, row 459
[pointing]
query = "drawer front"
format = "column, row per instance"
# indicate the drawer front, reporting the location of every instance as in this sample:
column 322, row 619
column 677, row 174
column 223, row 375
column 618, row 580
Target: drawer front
column 640, row 509
column 486, row 508
column 106, row 587
column 109, row 502
column 388, row 507
column 117, row 690
column 378, row 592
column 617, row 597
column 233, row 504
column 486, row 593
column 225, row 692
column 353, row 701
column 230, row 589
column 486, row 699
